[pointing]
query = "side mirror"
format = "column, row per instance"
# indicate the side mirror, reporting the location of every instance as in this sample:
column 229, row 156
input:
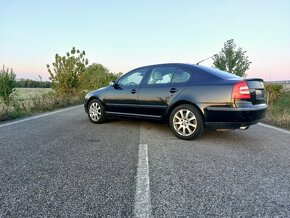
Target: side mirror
column 112, row 83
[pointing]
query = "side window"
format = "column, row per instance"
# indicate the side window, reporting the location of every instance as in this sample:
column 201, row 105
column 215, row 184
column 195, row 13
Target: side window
column 161, row 75
column 132, row 79
column 180, row 76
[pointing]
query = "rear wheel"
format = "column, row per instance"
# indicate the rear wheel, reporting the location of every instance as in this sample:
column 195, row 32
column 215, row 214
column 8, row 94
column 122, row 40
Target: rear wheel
column 186, row 122
column 96, row 111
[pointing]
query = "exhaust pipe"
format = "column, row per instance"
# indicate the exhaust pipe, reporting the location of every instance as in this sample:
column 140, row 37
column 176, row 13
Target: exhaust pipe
column 244, row 127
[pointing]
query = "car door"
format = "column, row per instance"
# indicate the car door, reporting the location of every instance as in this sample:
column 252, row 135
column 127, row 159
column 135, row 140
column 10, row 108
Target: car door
column 158, row 90
column 121, row 98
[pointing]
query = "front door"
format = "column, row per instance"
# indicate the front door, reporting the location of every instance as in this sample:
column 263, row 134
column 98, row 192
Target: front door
column 121, row 98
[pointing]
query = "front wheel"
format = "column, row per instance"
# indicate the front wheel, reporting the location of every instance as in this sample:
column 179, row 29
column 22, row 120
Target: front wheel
column 96, row 111
column 186, row 122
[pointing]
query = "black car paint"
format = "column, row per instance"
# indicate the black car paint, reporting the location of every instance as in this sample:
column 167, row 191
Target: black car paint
column 209, row 93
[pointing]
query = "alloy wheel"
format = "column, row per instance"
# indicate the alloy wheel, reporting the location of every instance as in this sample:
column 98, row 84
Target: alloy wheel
column 184, row 122
column 95, row 111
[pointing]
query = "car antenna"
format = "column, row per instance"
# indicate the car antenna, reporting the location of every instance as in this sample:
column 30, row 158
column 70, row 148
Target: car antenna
column 203, row 60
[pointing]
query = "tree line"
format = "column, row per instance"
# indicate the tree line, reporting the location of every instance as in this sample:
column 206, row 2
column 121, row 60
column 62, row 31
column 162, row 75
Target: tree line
column 28, row 83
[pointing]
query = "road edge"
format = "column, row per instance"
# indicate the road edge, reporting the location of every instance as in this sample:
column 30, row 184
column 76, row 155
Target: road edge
column 274, row 127
column 9, row 123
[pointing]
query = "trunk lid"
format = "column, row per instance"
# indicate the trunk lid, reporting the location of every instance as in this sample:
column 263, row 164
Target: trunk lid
column 257, row 90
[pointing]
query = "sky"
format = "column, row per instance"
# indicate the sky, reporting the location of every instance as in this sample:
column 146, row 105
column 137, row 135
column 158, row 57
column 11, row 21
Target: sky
column 125, row 34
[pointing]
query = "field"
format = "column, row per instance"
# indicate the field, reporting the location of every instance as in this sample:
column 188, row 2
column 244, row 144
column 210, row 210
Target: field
column 285, row 84
column 24, row 94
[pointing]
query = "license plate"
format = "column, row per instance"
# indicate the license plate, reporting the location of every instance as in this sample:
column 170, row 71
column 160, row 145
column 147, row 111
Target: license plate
column 259, row 93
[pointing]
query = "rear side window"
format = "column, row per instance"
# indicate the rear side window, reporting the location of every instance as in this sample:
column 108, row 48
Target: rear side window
column 180, row 76
column 161, row 75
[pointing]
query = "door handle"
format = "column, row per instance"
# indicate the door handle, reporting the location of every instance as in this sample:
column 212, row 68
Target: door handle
column 133, row 91
column 173, row 90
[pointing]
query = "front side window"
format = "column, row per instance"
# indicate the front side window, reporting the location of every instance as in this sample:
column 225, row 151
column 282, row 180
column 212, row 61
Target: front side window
column 161, row 75
column 132, row 79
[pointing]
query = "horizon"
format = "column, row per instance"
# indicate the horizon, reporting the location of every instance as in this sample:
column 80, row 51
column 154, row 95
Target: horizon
column 35, row 77
column 128, row 34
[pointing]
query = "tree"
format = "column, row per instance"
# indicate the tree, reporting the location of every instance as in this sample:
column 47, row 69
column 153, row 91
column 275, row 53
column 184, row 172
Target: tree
column 96, row 76
column 231, row 59
column 67, row 71
column 7, row 85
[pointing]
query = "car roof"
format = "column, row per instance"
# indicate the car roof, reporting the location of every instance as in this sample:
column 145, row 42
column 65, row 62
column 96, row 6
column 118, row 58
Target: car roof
column 186, row 65
column 200, row 68
column 166, row 64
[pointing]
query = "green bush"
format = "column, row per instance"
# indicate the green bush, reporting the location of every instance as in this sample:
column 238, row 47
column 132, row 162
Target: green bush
column 273, row 92
column 7, row 85
column 96, row 76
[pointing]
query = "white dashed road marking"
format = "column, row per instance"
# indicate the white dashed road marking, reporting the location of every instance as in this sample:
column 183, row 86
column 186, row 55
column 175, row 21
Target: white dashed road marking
column 142, row 206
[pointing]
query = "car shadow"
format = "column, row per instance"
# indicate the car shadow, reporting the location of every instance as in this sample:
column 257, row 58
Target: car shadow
column 157, row 130
column 210, row 136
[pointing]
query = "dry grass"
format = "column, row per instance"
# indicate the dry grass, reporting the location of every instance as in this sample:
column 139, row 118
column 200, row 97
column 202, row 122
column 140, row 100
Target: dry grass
column 279, row 119
column 22, row 94
column 279, row 112
column 29, row 101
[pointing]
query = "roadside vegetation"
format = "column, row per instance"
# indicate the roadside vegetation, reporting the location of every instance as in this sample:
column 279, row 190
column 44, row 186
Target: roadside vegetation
column 7, row 85
column 278, row 100
column 71, row 77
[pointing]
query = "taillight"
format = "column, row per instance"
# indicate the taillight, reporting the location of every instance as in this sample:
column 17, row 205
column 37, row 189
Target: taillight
column 241, row 91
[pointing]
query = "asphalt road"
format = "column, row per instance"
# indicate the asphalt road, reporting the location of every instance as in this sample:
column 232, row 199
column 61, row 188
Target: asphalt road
column 61, row 165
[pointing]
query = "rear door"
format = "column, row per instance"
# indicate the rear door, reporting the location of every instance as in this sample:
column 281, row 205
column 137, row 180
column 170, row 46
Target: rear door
column 159, row 88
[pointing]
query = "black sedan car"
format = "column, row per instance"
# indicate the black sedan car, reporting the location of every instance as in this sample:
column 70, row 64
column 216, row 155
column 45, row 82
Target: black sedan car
column 188, row 97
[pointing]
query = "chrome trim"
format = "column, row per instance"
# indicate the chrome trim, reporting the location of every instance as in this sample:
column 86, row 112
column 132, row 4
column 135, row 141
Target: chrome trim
column 255, row 108
column 131, row 114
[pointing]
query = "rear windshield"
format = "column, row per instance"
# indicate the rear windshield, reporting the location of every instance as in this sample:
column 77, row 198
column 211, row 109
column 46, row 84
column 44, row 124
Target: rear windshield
column 219, row 73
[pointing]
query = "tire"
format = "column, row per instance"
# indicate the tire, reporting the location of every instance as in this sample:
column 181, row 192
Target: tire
column 96, row 111
column 186, row 122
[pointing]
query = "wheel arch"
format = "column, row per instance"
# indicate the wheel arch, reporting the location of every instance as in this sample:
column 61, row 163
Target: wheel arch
column 178, row 103
column 95, row 97
column 92, row 98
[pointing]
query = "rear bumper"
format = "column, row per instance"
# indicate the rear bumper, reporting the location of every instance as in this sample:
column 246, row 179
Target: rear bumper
column 233, row 118
column 228, row 125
